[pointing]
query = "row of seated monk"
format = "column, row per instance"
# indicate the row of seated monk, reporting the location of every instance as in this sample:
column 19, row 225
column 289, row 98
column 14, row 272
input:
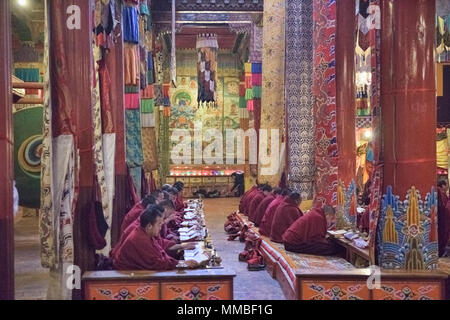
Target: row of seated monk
column 277, row 214
column 149, row 237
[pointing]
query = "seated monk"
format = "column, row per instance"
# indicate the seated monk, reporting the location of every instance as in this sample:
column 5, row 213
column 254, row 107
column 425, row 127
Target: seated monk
column 256, row 201
column 443, row 217
column 143, row 249
column 246, row 194
column 249, row 199
column 136, row 212
column 158, row 194
column 285, row 215
column 133, row 225
column 308, row 233
column 261, row 209
column 266, row 221
column 179, row 202
column 168, row 215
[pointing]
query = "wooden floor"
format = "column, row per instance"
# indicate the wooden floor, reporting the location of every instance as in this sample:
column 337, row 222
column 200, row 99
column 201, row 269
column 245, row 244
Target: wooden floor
column 31, row 280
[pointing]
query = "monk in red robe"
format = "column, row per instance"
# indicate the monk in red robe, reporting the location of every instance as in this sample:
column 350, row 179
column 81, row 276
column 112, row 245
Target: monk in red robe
column 266, row 221
column 169, row 215
column 261, row 209
column 285, row 215
column 256, row 201
column 179, row 202
column 308, row 233
column 244, row 197
column 136, row 212
column 143, row 249
column 131, row 227
column 249, row 199
column 443, row 216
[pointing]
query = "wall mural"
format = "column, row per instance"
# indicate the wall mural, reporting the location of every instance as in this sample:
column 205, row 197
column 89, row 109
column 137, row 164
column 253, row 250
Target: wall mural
column 185, row 111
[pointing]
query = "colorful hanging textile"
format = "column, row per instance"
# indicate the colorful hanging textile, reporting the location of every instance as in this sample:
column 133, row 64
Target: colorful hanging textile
column 250, row 105
column 130, row 25
column 132, row 101
column 207, row 47
column 173, row 51
column 147, row 120
column 131, row 64
column 27, row 75
column 149, row 92
column 256, row 68
column 256, row 79
column 131, row 89
column 143, row 8
column 242, row 102
column 147, row 106
column 150, row 69
column 257, row 92
column 133, row 138
column 248, row 67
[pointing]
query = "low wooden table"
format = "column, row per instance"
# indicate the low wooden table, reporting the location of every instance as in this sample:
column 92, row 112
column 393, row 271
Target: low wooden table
column 356, row 256
column 198, row 284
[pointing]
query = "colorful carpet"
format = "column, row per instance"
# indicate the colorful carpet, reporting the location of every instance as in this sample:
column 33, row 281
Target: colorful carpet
column 303, row 261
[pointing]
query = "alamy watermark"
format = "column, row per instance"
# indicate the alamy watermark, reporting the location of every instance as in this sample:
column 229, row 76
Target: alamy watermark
column 188, row 147
column 374, row 280
column 72, row 275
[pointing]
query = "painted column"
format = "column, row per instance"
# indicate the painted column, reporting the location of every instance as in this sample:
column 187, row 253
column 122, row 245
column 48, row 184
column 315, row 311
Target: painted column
column 299, row 97
column 345, row 91
column 408, row 214
column 272, row 109
column 6, row 159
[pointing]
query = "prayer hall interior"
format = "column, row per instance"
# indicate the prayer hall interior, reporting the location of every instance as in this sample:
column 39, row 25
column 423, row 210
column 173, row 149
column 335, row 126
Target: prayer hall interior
column 224, row 149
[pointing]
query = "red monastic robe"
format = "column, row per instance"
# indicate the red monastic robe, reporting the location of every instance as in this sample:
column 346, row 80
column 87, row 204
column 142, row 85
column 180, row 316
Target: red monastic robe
column 443, row 221
column 285, row 215
column 167, row 233
column 140, row 252
column 244, row 196
column 179, row 203
column 363, row 220
column 249, row 199
column 307, row 235
column 256, row 201
column 131, row 216
column 266, row 221
column 261, row 209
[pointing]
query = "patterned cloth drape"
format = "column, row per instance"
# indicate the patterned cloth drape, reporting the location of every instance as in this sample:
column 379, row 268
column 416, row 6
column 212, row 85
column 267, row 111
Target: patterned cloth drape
column 134, row 23
column 207, row 47
column 299, row 96
column 273, row 101
column 324, row 91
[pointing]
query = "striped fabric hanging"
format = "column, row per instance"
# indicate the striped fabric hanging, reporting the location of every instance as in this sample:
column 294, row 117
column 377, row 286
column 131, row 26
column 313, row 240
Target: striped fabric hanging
column 207, row 47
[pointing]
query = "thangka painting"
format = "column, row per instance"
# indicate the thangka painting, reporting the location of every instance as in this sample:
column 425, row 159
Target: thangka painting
column 231, row 103
column 185, row 112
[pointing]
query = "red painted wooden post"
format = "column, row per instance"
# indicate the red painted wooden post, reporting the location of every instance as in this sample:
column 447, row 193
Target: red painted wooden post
column 345, row 91
column 6, row 159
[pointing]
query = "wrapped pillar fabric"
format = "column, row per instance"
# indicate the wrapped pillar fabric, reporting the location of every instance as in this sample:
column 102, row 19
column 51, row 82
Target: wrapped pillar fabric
column 173, row 52
column 130, row 25
column 207, row 47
